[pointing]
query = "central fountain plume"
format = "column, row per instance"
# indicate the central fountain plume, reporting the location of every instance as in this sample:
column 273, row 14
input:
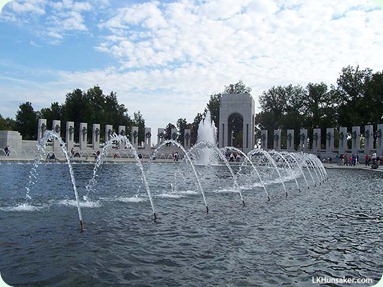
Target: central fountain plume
column 207, row 133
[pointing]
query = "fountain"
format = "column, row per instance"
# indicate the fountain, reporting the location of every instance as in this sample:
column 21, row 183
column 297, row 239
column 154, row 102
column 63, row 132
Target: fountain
column 307, row 234
column 207, row 133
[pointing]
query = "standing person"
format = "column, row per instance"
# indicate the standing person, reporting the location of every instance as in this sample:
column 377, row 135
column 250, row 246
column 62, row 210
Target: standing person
column 367, row 160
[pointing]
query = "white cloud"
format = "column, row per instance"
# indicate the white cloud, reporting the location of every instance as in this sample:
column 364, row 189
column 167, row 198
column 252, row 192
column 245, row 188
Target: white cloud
column 170, row 56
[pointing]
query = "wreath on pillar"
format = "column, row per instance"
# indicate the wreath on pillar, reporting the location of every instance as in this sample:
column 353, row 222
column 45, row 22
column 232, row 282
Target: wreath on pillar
column 328, row 136
column 174, row 136
column 57, row 128
column 135, row 134
column 341, row 136
column 148, row 135
column 379, row 133
column 187, row 136
column 161, row 135
column 366, row 134
column 354, row 135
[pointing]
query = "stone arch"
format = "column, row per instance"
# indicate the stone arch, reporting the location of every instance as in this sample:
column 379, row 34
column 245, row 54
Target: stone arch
column 235, row 130
column 236, row 107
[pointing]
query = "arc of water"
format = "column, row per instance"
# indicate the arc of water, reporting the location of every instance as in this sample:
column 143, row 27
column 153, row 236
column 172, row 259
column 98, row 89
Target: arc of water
column 51, row 135
column 223, row 158
column 288, row 164
column 188, row 160
column 298, row 165
column 320, row 167
column 304, row 164
column 125, row 141
column 271, row 160
column 252, row 165
column 309, row 159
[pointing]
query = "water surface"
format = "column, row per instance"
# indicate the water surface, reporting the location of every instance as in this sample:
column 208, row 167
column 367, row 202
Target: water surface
column 332, row 230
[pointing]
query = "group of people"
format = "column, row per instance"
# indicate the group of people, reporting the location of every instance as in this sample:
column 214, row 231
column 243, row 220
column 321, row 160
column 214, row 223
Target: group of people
column 345, row 159
column 351, row 160
column 234, row 157
column 374, row 160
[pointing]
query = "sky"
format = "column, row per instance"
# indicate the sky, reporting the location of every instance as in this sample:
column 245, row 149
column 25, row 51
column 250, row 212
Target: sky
column 165, row 58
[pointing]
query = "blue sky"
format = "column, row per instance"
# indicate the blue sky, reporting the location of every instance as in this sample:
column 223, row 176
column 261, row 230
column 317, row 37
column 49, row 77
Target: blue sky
column 165, row 58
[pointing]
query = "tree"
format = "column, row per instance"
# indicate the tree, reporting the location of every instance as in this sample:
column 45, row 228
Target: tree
column 55, row 112
column 26, row 121
column 194, row 128
column 168, row 131
column 352, row 87
column 238, row 88
column 213, row 106
column 181, row 126
column 139, row 122
column 7, row 124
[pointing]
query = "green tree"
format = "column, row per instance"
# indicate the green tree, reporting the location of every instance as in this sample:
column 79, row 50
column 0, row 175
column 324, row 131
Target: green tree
column 26, row 121
column 352, row 86
column 55, row 112
column 7, row 124
column 168, row 131
column 139, row 122
column 213, row 106
column 181, row 126
column 238, row 88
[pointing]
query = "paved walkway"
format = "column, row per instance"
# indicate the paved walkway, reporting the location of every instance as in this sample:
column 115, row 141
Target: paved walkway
column 356, row 167
column 124, row 160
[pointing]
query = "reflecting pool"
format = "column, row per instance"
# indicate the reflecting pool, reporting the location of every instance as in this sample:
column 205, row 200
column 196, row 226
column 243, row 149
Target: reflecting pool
column 330, row 229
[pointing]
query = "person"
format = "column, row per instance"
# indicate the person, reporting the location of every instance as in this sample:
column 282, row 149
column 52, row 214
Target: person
column 238, row 157
column 7, row 150
column 72, row 152
column 176, row 156
column 367, row 159
column 51, row 156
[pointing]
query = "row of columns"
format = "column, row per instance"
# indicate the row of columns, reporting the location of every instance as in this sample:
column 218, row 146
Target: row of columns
column 83, row 134
column 316, row 139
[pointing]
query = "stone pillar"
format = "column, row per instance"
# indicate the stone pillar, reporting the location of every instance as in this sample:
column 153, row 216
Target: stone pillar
column 69, row 137
column 368, row 138
column 56, row 126
column 148, row 138
column 96, row 136
column 264, row 138
column 277, row 139
column 134, row 136
column 160, row 136
column 342, row 140
column 83, row 136
column 303, row 139
column 329, row 139
column 108, row 132
column 379, row 140
column 122, row 130
column 187, row 139
column 42, row 127
column 317, row 140
column 174, row 134
column 290, row 140
column 355, row 139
